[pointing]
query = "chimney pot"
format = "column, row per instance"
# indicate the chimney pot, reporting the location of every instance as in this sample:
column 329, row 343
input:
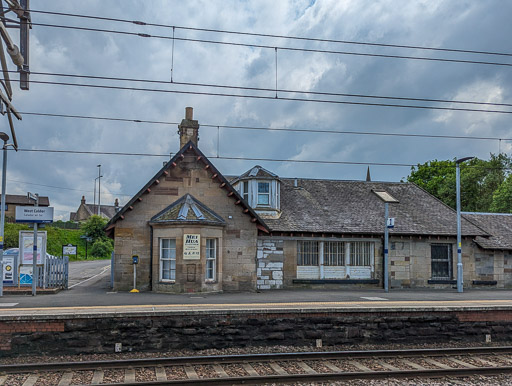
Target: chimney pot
column 189, row 113
column 83, row 199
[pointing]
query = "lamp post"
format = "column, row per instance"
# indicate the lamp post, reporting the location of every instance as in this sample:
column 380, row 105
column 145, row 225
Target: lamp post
column 99, row 190
column 4, row 137
column 387, row 198
column 459, row 243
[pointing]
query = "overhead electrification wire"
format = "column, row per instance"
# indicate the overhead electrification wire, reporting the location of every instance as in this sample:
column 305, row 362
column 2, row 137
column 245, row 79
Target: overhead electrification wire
column 369, row 96
column 267, row 97
column 267, row 128
column 63, row 188
column 143, row 23
column 244, row 158
column 273, row 47
column 212, row 157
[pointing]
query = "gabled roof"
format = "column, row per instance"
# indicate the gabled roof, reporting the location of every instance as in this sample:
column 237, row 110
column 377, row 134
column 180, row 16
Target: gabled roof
column 256, row 172
column 106, row 210
column 19, row 199
column 223, row 183
column 352, row 207
column 499, row 225
column 187, row 209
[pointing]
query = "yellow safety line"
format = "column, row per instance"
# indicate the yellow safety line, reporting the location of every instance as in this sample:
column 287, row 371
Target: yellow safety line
column 385, row 303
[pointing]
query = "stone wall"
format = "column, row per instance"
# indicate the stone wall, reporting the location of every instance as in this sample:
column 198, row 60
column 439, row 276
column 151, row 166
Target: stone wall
column 270, row 259
column 133, row 233
column 160, row 331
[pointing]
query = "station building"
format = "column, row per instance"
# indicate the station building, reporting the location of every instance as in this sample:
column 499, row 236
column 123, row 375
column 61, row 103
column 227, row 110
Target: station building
column 195, row 230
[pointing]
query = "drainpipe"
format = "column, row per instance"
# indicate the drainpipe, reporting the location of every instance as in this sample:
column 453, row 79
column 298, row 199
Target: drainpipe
column 151, row 257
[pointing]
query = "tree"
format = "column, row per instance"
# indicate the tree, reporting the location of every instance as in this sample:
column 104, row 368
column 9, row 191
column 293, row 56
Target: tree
column 479, row 180
column 502, row 197
column 94, row 226
column 101, row 248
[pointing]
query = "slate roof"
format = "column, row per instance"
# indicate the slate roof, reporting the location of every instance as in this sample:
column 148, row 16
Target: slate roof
column 333, row 206
column 18, row 199
column 256, row 172
column 499, row 225
column 107, row 210
column 187, row 209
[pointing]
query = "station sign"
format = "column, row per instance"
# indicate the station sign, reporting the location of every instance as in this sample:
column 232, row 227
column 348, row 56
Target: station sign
column 34, row 214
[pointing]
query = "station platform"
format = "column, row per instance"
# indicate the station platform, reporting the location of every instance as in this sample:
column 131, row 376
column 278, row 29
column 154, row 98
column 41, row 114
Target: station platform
column 111, row 303
column 78, row 323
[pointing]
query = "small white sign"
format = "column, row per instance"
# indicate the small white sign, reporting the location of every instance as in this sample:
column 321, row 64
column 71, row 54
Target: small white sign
column 391, row 222
column 38, row 214
column 69, row 250
column 191, row 247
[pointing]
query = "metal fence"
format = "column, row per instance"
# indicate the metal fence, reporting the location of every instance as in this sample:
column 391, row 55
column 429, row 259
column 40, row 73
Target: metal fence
column 56, row 272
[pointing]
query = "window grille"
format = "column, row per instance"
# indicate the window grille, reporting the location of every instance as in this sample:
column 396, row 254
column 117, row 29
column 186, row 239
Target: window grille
column 334, row 253
column 441, row 261
column 211, row 259
column 167, row 259
column 361, row 253
column 307, row 253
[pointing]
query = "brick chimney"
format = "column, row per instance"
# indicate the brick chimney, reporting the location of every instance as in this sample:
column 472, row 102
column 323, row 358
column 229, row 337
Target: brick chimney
column 189, row 128
column 83, row 199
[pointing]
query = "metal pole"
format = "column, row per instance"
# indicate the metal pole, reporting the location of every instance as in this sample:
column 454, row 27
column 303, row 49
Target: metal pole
column 2, row 219
column 459, row 244
column 95, row 192
column 386, row 236
column 34, row 254
column 134, row 276
column 99, row 190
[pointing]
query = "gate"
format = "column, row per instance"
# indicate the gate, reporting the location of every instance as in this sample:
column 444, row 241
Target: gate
column 56, row 272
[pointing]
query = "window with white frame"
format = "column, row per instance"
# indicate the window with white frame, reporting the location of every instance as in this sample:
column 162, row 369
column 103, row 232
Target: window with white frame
column 263, row 193
column 245, row 190
column 361, row 253
column 334, row 253
column 307, row 253
column 211, row 259
column 167, row 260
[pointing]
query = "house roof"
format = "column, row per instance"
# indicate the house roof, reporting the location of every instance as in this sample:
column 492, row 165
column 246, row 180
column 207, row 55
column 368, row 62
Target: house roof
column 499, row 225
column 256, row 172
column 18, row 199
column 106, row 210
column 187, row 209
column 333, row 206
column 178, row 157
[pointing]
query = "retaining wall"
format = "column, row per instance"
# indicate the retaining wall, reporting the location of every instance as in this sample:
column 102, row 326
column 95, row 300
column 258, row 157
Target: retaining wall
column 160, row 331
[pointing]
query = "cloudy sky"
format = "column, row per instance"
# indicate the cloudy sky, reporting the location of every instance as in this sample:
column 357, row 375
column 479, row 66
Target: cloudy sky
column 482, row 25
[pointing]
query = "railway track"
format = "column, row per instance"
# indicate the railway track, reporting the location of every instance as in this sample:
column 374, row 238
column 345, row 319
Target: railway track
column 268, row 368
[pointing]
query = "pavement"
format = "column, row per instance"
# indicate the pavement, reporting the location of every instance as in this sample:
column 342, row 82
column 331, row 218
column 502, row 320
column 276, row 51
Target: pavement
column 89, row 292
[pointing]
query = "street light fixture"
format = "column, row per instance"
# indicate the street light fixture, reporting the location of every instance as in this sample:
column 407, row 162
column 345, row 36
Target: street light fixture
column 4, row 137
column 459, row 242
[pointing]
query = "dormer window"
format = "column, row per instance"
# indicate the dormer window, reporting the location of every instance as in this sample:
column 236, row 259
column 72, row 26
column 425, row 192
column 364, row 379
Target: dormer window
column 263, row 193
column 261, row 189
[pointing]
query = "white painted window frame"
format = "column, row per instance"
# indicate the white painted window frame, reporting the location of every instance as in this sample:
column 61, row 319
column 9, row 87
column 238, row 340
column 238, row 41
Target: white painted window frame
column 170, row 259
column 211, row 257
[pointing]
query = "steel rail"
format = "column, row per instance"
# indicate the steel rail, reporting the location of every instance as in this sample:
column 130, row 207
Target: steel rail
column 224, row 359
column 258, row 380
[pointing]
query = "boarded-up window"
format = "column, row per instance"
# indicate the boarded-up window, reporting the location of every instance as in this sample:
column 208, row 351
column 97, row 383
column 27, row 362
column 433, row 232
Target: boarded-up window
column 361, row 253
column 441, row 260
column 307, row 253
column 334, row 253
